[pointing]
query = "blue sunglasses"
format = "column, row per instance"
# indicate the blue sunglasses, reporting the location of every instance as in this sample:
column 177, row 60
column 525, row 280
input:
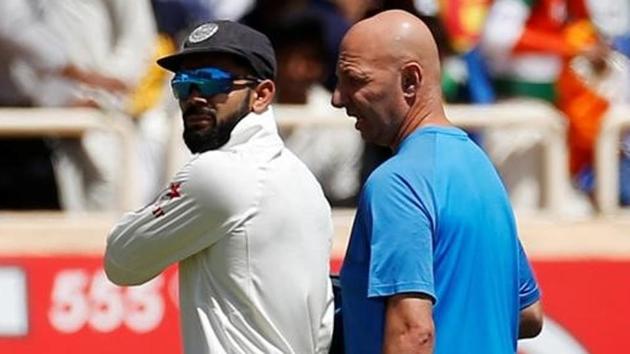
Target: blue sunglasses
column 208, row 81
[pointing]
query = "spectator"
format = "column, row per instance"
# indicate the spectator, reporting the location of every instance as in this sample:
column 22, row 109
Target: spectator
column 333, row 154
column 28, row 180
column 115, row 39
column 526, row 44
column 603, row 86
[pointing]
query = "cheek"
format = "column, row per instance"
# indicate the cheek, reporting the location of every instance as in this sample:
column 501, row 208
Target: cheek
column 362, row 99
column 227, row 104
column 370, row 102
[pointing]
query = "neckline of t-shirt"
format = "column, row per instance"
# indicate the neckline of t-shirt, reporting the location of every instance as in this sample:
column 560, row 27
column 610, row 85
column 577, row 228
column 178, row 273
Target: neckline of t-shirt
column 441, row 129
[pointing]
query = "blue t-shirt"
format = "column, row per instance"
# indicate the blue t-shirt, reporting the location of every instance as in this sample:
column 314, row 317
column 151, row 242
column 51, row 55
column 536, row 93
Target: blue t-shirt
column 435, row 219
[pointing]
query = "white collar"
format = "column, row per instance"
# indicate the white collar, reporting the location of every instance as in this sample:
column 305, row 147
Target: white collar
column 252, row 125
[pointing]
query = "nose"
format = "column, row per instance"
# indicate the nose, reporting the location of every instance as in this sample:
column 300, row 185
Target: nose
column 337, row 99
column 193, row 98
column 194, row 94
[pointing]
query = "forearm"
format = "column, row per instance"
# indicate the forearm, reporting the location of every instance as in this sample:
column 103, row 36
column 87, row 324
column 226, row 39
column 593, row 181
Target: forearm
column 145, row 242
column 409, row 325
column 411, row 340
column 127, row 257
column 531, row 321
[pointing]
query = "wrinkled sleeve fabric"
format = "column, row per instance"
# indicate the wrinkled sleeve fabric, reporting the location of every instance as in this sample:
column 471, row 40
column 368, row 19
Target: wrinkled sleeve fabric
column 400, row 231
column 528, row 287
column 201, row 206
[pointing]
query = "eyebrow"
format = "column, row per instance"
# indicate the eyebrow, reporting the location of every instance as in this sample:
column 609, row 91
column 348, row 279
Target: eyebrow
column 352, row 72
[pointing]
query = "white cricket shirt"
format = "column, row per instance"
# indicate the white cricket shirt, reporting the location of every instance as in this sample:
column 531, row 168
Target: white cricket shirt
column 252, row 232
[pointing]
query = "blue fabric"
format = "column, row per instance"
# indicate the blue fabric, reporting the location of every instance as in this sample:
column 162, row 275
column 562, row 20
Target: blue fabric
column 480, row 88
column 479, row 85
column 622, row 44
column 624, row 180
column 435, row 219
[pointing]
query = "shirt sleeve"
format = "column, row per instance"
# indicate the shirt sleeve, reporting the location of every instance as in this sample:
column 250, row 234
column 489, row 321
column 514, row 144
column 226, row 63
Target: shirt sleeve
column 400, row 228
column 196, row 210
column 528, row 292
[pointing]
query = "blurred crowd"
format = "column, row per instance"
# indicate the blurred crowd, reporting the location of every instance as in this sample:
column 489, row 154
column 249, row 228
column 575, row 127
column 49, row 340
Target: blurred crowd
column 573, row 54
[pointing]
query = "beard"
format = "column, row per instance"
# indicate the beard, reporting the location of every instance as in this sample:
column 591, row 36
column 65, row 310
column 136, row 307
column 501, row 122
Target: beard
column 199, row 141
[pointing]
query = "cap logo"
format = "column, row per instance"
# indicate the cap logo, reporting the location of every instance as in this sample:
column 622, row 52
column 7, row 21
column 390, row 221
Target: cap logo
column 203, row 32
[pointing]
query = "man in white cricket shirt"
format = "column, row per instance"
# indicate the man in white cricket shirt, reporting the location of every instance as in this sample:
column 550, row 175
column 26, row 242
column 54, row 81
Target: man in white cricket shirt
column 244, row 218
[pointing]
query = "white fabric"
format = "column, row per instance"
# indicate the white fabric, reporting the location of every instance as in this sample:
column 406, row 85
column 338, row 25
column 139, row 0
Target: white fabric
column 22, row 29
column 504, row 25
column 333, row 154
column 252, row 233
column 24, row 37
column 534, row 68
column 611, row 17
column 114, row 38
column 230, row 9
column 515, row 151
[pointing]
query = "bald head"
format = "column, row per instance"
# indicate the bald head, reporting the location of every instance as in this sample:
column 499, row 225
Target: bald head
column 389, row 77
column 399, row 37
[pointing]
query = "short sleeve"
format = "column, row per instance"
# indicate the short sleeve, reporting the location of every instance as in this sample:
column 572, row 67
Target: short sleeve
column 400, row 234
column 528, row 291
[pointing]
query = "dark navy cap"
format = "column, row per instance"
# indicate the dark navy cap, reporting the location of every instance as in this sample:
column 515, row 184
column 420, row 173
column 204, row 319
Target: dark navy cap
column 227, row 37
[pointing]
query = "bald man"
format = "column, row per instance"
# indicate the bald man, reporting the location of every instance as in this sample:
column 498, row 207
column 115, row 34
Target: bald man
column 434, row 263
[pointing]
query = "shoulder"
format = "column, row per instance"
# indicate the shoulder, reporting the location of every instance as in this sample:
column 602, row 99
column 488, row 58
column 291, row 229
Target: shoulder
column 220, row 179
column 403, row 169
column 401, row 183
column 391, row 180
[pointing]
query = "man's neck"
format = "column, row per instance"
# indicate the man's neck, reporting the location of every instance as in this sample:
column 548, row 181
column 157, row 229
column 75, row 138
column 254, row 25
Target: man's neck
column 419, row 116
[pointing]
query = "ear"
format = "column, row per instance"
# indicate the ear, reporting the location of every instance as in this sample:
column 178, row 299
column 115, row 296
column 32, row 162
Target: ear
column 411, row 78
column 263, row 96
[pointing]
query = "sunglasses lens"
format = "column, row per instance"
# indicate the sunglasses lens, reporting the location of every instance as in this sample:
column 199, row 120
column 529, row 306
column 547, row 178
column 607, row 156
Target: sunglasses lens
column 213, row 87
column 207, row 81
column 181, row 89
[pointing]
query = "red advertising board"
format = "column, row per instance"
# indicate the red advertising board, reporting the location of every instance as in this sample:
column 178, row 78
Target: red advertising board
column 71, row 308
column 590, row 301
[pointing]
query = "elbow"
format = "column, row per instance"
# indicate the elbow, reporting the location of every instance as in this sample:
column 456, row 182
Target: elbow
column 416, row 338
column 531, row 330
column 122, row 265
column 424, row 335
column 121, row 276
column 409, row 326
column 531, row 322
column 116, row 275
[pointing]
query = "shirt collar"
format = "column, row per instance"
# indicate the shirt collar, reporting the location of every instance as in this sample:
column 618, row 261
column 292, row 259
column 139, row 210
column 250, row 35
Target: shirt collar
column 253, row 125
